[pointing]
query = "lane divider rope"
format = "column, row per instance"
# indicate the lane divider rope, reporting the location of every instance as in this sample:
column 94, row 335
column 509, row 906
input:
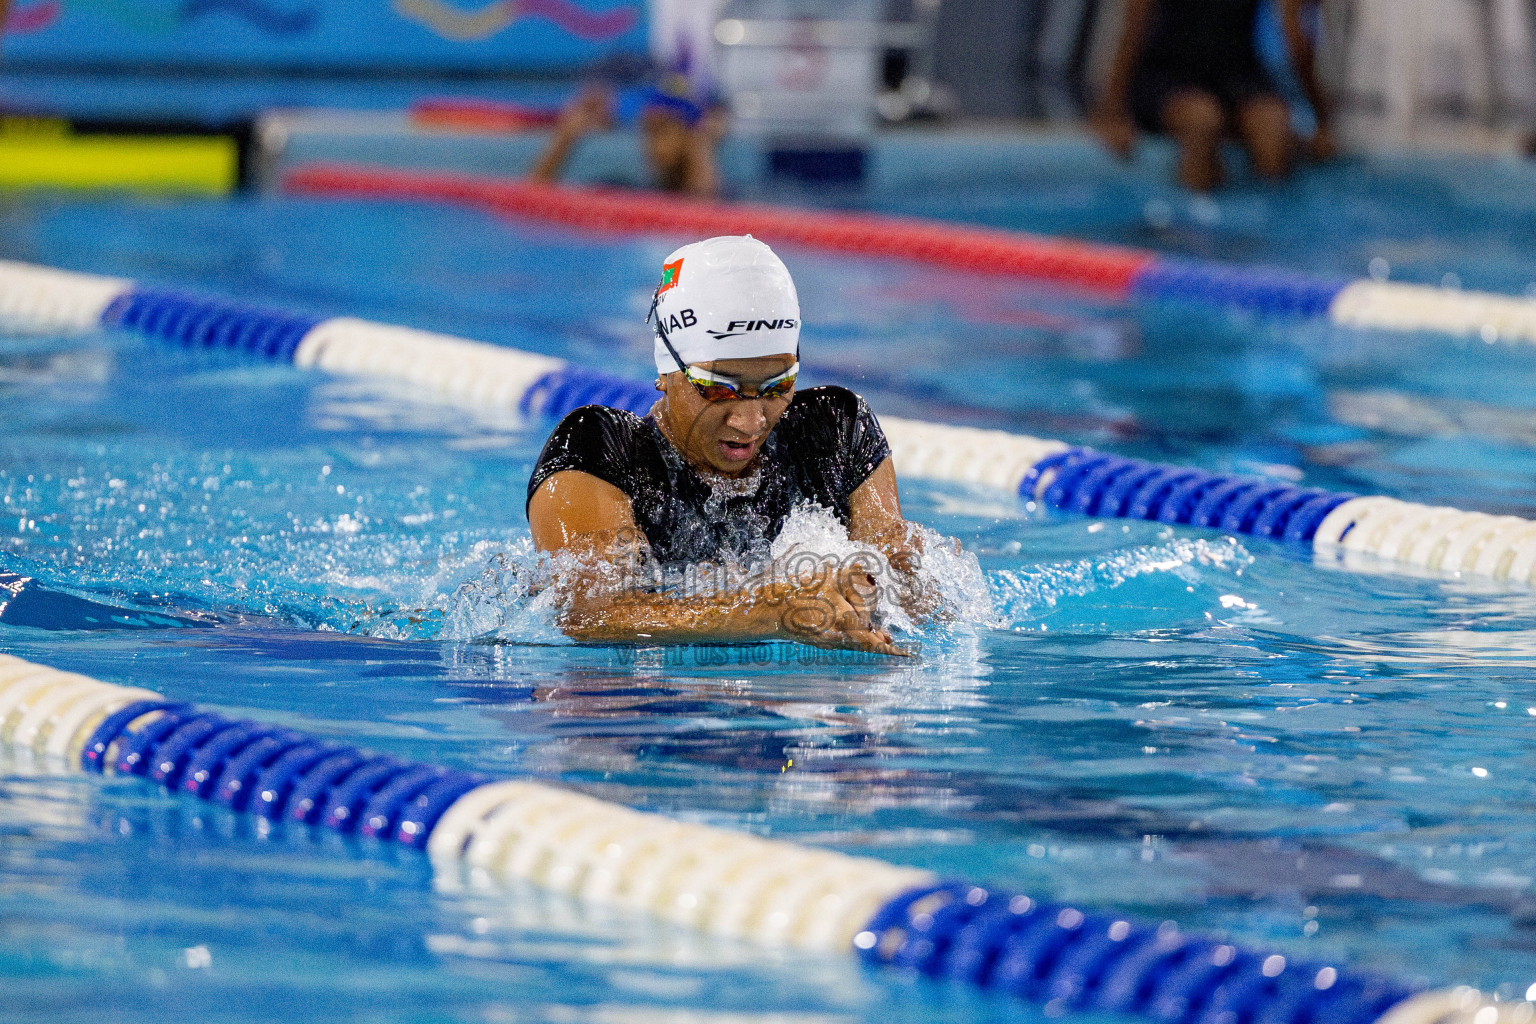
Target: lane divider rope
column 41, row 300
column 482, row 832
column 1101, row 269
column 1097, row 268
column 1078, row 480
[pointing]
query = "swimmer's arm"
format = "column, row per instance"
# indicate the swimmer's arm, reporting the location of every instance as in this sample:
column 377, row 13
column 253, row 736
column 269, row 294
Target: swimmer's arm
column 875, row 519
column 577, row 512
column 832, row 610
column 587, row 113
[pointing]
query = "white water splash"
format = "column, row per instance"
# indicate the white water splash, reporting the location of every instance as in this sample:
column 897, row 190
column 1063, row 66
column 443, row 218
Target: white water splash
column 507, row 591
column 1022, row 594
column 510, row 598
column 514, row 597
column 951, row 575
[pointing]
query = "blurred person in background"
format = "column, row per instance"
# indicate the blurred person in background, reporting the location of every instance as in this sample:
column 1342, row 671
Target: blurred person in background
column 678, row 134
column 1190, row 69
column 680, row 117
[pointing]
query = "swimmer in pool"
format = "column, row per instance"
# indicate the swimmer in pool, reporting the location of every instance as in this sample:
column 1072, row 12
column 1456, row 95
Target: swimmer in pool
column 714, row 470
column 678, row 135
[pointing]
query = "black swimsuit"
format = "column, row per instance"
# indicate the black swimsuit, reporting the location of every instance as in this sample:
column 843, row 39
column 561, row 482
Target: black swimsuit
column 1199, row 44
column 826, row 444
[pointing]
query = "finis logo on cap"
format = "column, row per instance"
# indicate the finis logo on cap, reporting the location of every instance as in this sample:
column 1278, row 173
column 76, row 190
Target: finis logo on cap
column 671, row 273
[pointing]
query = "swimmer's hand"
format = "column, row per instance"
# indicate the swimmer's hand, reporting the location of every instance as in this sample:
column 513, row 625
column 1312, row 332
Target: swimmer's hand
column 591, row 111
column 835, row 608
column 918, row 593
column 829, row 605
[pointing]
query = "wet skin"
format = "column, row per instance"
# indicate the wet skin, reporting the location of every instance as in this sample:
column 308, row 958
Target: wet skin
column 722, row 436
column 579, row 513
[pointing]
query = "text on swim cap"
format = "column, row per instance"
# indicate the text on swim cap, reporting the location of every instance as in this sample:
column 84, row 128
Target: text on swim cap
column 682, row 318
column 739, row 327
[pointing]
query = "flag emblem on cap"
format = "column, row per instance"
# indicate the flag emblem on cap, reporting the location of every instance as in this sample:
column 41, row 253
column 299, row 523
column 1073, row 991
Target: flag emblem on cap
column 671, row 273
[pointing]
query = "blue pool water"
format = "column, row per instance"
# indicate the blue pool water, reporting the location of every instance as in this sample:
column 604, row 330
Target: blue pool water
column 1423, row 216
column 1165, row 721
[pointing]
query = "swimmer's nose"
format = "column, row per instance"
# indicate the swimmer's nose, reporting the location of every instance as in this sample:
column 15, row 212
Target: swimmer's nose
column 747, row 418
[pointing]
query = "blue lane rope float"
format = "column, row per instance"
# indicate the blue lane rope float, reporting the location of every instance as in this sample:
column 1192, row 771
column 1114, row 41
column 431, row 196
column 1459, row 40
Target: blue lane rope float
column 1092, row 483
column 198, row 322
column 568, row 389
column 481, row 831
column 271, row 772
column 1069, row 959
column 1369, row 532
column 1274, row 292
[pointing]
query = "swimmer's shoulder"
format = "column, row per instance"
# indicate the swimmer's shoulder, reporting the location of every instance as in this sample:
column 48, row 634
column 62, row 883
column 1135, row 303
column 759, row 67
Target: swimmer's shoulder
column 827, row 401
column 605, row 442
column 828, row 408
column 598, row 429
column 599, row 417
column 835, row 423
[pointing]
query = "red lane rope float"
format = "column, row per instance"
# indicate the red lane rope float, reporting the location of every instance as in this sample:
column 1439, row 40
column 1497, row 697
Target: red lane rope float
column 1097, row 268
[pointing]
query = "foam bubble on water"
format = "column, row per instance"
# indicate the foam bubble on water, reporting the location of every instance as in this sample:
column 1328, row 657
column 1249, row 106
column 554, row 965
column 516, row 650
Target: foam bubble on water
column 1020, row 595
column 813, row 537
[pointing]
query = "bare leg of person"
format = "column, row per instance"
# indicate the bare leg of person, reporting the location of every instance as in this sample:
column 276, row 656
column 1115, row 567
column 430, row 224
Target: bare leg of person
column 1265, row 125
column 1195, row 120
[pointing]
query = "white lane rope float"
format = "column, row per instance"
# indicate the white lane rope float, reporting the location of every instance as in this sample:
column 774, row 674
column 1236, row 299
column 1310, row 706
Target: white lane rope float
column 483, row 833
column 1392, row 305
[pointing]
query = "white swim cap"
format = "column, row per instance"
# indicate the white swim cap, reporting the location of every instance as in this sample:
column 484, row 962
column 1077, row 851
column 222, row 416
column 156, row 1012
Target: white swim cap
column 725, row 298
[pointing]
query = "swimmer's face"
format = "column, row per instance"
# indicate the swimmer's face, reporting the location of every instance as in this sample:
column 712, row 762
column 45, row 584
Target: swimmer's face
column 726, row 435
column 666, row 148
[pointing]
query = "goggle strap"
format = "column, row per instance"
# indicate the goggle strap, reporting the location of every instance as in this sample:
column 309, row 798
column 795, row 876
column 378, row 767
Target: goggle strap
column 662, row 334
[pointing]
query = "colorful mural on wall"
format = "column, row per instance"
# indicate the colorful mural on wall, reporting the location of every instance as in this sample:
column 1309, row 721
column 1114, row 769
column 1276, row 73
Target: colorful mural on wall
column 499, row 35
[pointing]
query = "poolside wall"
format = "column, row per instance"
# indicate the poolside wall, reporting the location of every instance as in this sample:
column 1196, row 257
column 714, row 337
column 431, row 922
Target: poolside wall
column 329, row 36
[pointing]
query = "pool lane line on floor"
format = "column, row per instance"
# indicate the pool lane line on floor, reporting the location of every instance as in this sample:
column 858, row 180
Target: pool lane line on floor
column 1101, row 269
column 479, row 831
column 1369, row 533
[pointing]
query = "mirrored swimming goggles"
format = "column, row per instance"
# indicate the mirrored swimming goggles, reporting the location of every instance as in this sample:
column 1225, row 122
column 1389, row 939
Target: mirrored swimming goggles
column 714, row 387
